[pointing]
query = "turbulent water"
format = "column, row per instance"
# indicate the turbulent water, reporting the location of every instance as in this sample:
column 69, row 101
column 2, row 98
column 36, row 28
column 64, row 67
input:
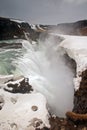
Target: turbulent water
column 45, row 64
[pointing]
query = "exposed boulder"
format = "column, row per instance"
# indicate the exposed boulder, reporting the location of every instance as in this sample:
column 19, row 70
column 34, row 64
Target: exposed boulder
column 19, row 86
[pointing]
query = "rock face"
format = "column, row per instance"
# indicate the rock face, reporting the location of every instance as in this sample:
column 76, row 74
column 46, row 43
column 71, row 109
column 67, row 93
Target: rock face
column 22, row 86
column 10, row 46
column 14, row 29
column 80, row 101
column 11, row 29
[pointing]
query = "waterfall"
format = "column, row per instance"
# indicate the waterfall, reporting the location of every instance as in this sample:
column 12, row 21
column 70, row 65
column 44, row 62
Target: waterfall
column 45, row 65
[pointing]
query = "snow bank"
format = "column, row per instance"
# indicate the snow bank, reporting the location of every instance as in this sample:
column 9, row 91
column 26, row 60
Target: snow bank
column 76, row 48
column 22, row 111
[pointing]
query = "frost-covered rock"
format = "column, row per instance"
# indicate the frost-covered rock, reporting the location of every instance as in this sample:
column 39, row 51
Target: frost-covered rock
column 76, row 48
column 22, row 111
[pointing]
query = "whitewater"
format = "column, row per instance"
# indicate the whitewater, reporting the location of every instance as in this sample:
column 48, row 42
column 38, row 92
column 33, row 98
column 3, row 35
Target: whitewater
column 45, row 64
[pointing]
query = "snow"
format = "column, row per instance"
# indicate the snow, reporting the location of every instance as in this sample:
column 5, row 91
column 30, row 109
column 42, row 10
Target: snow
column 21, row 111
column 76, row 48
column 5, row 78
column 40, row 28
column 36, row 27
column 15, row 36
column 33, row 26
column 17, row 112
column 18, row 21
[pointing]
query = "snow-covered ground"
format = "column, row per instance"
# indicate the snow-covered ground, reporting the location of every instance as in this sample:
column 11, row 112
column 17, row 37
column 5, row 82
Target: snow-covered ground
column 22, row 111
column 18, row 21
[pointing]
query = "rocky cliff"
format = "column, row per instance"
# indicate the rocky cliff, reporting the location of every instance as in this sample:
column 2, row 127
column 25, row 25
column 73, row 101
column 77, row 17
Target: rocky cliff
column 15, row 29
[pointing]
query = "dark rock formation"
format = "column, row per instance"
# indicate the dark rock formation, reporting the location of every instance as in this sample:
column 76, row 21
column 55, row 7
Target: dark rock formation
column 79, row 112
column 12, row 29
column 80, row 96
column 20, row 87
column 77, row 118
column 57, row 123
column 10, row 46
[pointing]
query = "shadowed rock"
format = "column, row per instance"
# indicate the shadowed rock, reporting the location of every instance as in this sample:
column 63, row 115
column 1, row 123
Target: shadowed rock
column 10, row 46
column 20, row 87
column 80, row 96
column 1, row 102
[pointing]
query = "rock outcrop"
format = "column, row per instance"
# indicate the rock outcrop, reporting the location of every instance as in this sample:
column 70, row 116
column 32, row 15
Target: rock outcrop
column 15, row 29
column 21, row 86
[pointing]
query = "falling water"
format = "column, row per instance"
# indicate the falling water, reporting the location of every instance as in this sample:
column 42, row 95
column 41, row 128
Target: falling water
column 49, row 73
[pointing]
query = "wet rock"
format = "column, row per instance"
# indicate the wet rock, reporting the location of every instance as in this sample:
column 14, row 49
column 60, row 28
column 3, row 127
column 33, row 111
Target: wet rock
column 79, row 112
column 80, row 101
column 22, row 86
column 10, row 46
column 1, row 102
column 80, row 96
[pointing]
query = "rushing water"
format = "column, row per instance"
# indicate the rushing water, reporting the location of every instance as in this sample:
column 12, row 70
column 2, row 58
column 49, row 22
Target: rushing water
column 45, row 65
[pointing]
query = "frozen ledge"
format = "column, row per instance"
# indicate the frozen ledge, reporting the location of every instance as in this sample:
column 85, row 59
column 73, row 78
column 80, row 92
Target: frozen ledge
column 76, row 48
